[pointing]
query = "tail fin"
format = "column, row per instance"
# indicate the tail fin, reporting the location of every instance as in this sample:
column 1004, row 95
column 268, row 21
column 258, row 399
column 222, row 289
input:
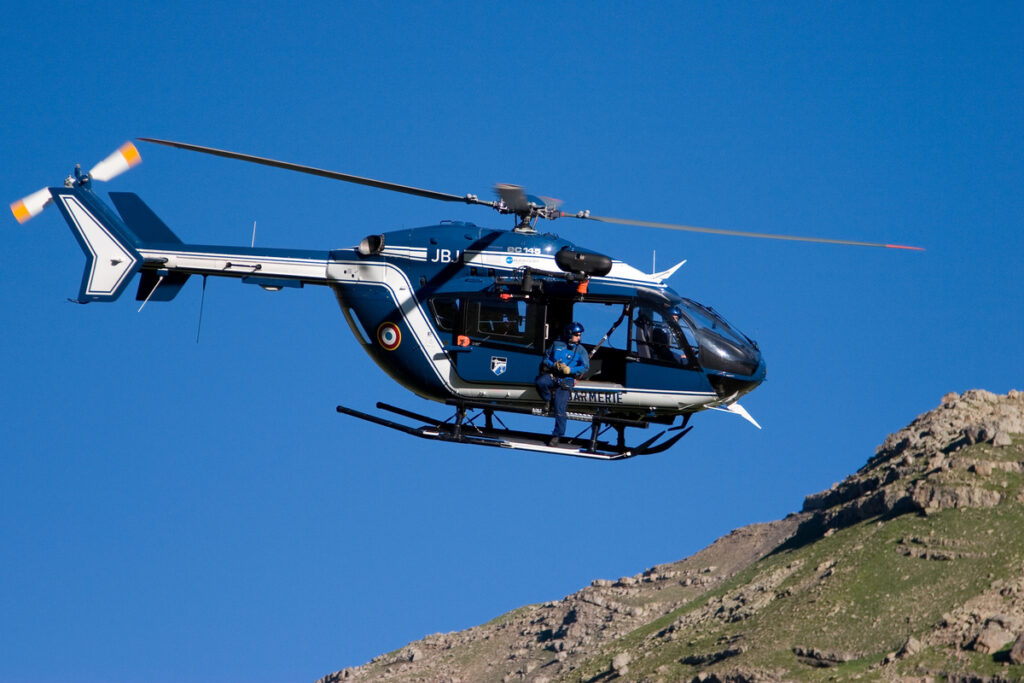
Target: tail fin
column 148, row 230
column 108, row 244
column 111, row 245
column 144, row 225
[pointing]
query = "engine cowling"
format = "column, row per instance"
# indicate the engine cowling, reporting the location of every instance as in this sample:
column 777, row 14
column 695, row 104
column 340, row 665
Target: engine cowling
column 586, row 262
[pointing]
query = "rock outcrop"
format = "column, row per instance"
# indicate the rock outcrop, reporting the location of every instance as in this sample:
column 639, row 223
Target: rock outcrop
column 919, row 469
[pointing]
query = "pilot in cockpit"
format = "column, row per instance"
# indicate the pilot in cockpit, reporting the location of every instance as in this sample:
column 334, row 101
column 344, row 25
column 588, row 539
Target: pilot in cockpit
column 656, row 339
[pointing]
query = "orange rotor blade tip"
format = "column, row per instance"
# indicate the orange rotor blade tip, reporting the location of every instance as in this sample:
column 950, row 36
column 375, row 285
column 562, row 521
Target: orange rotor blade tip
column 20, row 212
column 130, row 154
column 902, row 246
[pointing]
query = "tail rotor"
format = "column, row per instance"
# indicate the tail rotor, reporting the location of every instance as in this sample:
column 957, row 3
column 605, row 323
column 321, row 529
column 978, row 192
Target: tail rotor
column 125, row 157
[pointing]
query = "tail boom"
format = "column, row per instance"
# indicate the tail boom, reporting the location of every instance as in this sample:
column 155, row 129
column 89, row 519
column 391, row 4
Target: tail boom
column 116, row 247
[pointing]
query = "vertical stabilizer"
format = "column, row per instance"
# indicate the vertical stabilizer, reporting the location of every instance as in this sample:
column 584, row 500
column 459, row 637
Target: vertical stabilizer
column 111, row 258
column 145, row 226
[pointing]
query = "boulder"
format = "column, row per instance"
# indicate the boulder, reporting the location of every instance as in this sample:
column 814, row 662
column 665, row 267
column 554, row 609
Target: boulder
column 978, row 433
column 620, row 663
column 911, row 647
column 991, row 639
column 1017, row 651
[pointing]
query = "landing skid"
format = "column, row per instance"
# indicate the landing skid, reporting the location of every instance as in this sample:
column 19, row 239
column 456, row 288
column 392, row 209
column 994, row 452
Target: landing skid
column 463, row 428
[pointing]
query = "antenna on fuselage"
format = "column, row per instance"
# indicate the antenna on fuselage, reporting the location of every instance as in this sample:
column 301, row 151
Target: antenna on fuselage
column 202, row 301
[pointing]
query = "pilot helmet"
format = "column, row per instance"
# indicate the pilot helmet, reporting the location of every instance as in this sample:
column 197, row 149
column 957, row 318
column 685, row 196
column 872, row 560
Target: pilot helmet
column 573, row 328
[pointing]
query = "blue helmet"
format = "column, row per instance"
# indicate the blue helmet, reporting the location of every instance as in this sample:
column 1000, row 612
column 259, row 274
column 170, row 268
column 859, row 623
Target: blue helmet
column 676, row 311
column 573, row 328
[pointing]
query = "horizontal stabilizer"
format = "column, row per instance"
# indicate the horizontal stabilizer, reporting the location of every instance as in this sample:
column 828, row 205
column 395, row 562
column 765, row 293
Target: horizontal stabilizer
column 167, row 285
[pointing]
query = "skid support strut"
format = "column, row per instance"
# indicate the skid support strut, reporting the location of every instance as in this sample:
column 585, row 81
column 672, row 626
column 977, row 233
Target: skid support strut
column 462, row 428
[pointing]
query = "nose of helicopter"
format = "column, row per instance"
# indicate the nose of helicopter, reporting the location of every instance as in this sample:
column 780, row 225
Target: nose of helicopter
column 739, row 381
column 734, row 364
column 731, row 360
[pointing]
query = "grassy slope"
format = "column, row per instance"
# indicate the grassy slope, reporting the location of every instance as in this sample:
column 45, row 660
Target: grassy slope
column 857, row 593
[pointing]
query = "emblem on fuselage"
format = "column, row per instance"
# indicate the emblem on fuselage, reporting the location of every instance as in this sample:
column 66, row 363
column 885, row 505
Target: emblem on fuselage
column 499, row 365
column 389, row 336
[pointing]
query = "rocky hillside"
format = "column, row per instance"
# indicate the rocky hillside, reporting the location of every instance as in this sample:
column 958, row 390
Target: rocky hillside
column 911, row 569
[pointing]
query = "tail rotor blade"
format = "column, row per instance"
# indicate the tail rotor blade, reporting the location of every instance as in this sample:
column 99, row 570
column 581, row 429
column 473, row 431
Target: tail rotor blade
column 117, row 163
column 114, row 165
column 32, row 205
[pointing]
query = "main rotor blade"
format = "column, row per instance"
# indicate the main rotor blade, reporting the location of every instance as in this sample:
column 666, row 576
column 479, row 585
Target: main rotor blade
column 334, row 175
column 736, row 233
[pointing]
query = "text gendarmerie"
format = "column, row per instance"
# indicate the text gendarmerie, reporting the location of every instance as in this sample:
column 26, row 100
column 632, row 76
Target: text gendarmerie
column 585, row 396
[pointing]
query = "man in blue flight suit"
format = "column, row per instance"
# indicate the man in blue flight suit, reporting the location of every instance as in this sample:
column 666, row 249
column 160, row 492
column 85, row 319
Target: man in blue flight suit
column 565, row 362
column 676, row 314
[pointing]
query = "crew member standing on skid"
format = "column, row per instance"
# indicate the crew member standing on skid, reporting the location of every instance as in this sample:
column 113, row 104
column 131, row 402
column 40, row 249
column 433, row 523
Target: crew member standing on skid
column 565, row 362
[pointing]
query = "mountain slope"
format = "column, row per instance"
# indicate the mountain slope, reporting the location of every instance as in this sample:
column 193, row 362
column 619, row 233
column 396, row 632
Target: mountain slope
column 910, row 569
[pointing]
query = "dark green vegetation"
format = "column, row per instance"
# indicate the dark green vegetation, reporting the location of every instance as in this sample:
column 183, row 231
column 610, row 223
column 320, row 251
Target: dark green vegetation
column 842, row 605
column 911, row 569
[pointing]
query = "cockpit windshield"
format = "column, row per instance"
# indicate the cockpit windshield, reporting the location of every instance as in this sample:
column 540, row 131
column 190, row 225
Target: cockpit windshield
column 719, row 345
column 708, row 319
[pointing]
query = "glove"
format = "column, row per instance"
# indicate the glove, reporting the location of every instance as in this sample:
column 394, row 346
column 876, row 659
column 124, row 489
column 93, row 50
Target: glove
column 562, row 368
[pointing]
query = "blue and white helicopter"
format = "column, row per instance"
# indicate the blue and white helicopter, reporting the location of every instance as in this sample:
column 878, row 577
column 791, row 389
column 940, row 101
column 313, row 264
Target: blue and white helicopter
column 458, row 313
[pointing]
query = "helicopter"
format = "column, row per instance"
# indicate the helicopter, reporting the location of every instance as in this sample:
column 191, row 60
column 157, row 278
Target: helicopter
column 457, row 313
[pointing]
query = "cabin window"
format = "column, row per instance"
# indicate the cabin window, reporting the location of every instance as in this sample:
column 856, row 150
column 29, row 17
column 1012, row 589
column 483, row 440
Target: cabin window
column 601, row 320
column 605, row 336
column 446, row 312
column 507, row 322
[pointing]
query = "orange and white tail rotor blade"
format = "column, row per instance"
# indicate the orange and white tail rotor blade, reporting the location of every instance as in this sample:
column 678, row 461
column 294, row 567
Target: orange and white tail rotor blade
column 117, row 163
column 32, row 205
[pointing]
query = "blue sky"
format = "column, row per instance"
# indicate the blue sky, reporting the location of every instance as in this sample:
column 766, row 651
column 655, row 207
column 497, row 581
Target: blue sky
column 173, row 511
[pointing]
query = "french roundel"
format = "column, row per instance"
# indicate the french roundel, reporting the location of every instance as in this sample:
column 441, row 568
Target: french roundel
column 389, row 336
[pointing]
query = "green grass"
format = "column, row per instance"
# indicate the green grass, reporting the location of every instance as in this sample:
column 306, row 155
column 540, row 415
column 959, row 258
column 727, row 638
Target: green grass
column 871, row 600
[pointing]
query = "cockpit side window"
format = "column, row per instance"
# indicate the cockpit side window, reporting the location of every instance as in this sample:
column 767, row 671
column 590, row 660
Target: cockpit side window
column 657, row 338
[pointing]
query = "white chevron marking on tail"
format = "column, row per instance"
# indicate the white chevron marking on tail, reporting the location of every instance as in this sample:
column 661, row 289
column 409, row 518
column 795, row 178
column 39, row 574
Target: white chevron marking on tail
column 111, row 262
